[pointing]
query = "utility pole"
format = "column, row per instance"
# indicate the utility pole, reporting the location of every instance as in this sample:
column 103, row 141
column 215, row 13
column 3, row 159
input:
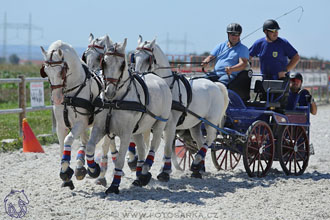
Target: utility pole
column 4, row 52
column 19, row 26
column 30, row 37
column 183, row 43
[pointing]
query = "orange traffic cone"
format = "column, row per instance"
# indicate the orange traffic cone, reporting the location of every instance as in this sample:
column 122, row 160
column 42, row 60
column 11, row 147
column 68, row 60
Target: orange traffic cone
column 30, row 142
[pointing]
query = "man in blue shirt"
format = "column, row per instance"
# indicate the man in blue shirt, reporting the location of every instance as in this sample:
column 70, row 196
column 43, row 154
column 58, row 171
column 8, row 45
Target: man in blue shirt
column 231, row 56
column 274, row 52
column 298, row 96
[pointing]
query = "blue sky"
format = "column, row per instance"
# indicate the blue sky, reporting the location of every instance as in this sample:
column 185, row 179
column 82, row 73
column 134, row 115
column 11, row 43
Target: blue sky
column 203, row 23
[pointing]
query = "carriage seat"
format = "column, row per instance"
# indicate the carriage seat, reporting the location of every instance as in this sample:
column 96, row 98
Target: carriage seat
column 277, row 91
column 242, row 84
column 273, row 86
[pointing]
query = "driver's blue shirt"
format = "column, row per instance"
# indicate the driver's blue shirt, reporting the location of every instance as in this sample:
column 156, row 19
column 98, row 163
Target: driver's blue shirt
column 226, row 57
column 297, row 99
column 273, row 56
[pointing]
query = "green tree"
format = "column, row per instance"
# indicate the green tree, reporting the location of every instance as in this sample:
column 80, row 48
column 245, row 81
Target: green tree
column 2, row 60
column 14, row 59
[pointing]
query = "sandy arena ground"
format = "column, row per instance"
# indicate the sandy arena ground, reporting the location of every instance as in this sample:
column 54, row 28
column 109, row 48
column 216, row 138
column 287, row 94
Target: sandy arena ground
column 219, row 195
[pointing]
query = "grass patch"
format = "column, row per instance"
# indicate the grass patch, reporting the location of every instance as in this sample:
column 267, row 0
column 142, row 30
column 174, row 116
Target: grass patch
column 39, row 121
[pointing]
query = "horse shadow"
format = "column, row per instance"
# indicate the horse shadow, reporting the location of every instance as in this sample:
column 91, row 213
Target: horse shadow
column 194, row 191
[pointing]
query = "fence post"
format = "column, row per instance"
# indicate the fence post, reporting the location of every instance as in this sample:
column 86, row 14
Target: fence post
column 327, row 90
column 21, row 103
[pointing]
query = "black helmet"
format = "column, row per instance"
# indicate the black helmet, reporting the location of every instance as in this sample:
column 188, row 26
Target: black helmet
column 271, row 24
column 234, row 28
column 296, row 75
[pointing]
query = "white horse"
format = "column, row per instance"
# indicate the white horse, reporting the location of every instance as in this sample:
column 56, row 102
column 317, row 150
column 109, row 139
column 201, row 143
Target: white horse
column 93, row 57
column 73, row 90
column 132, row 112
column 209, row 101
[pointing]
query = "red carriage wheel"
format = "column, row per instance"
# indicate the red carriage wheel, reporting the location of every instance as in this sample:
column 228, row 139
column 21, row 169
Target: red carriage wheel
column 293, row 150
column 225, row 159
column 182, row 154
column 258, row 154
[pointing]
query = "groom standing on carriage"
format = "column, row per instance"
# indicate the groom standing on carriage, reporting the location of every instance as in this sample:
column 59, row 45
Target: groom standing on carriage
column 231, row 58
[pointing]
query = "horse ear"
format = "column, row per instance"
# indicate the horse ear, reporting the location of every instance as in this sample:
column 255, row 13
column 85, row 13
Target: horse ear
column 91, row 38
column 124, row 44
column 140, row 40
column 44, row 53
column 152, row 43
column 108, row 41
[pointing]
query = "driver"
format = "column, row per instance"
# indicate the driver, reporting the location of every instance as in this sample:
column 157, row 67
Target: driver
column 298, row 96
column 231, row 56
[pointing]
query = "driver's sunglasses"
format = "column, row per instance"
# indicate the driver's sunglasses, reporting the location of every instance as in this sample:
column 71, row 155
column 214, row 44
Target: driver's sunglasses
column 235, row 34
column 272, row 30
column 295, row 80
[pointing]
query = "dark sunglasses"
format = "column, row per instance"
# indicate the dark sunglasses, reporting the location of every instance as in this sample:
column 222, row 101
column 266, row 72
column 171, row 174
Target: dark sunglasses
column 235, row 34
column 295, row 80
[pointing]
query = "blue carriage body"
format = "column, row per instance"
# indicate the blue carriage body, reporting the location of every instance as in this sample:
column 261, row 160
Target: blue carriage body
column 240, row 116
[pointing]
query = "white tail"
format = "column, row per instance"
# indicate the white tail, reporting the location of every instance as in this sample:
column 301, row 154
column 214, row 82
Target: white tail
column 224, row 90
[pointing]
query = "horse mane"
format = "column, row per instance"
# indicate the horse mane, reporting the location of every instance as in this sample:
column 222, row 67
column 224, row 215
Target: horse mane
column 70, row 55
column 159, row 54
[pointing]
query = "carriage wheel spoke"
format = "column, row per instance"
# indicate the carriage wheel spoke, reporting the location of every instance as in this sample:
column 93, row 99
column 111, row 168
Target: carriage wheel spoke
column 298, row 165
column 300, row 133
column 295, row 164
column 287, row 147
column 253, row 161
column 301, row 144
column 289, row 159
column 260, row 161
column 224, row 159
column 300, row 156
column 234, row 155
column 287, row 142
column 265, row 160
column 254, row 148
column 220, row 154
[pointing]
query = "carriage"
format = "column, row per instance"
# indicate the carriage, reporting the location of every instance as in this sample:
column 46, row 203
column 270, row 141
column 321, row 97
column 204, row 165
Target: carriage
column 260, row 131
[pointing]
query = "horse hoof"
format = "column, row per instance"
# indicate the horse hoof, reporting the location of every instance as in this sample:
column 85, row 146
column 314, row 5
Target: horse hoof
column 96, row 172
column 196, row 175
column 112, row 189
column 66, row 176
column 80, row 173
column 137, row 183
column 68, row 184
column 132, row 164
column 145, row 178
column 101, row 181
column 163, row 177
column 195, row 167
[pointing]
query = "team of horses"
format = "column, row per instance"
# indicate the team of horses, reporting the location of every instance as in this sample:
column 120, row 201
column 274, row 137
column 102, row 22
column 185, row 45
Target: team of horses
column 129, row 97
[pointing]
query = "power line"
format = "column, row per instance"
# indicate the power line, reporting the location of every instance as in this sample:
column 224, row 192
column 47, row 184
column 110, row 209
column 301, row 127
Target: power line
column 19, row 26
column 169, row 42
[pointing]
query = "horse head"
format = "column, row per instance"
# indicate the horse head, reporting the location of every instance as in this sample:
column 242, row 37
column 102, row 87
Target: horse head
column 144, row 55
column 59, row 59
column 114, row 66
column 94, row 52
